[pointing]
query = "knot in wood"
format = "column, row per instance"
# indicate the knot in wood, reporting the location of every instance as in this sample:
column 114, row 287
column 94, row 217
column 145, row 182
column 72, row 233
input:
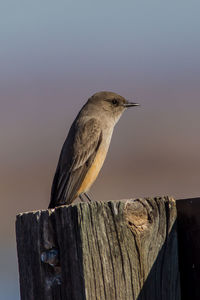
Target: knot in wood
column 138, row 214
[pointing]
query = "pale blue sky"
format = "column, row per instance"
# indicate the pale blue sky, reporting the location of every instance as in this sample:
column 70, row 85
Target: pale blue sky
column 146, row 35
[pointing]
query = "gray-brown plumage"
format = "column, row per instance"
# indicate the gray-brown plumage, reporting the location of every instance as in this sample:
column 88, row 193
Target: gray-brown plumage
column 86, row 146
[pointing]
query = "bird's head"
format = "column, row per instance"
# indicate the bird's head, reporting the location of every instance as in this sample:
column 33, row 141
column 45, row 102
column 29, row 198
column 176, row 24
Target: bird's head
column 111, row 104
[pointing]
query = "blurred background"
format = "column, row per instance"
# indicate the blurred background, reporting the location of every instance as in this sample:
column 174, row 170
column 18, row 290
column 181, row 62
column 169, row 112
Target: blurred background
column 53, row 56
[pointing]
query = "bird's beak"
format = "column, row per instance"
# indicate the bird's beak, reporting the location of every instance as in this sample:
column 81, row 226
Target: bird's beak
column 130, row 104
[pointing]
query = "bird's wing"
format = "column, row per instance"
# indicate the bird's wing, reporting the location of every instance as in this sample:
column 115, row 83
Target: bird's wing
column 72, row 170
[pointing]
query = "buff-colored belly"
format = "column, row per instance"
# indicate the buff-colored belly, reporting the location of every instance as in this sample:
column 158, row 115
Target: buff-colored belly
column 93, row 171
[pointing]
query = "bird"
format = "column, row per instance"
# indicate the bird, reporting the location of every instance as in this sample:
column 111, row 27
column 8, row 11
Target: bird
column 86, row 146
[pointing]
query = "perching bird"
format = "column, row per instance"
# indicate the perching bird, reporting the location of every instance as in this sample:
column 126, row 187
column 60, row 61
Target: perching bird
column 86, row 146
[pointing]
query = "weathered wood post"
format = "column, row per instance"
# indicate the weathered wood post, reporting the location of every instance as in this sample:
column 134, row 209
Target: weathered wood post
column 118, row 250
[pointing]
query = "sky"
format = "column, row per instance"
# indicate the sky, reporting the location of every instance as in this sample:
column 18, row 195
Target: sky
column 53, row 57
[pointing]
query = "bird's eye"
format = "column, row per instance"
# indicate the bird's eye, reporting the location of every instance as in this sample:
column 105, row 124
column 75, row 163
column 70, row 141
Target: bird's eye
column 115, row 102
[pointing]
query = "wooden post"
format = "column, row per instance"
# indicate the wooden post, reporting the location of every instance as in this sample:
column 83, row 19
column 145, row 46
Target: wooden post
column 118, row 250
column 188, row 211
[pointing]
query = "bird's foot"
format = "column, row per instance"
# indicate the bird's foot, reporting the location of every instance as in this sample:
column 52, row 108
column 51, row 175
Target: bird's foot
column 81, row 197
column 88, row 199
column 87, row 196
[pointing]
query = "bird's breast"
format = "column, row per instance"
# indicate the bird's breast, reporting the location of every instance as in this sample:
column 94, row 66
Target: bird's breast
column 96, row 165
